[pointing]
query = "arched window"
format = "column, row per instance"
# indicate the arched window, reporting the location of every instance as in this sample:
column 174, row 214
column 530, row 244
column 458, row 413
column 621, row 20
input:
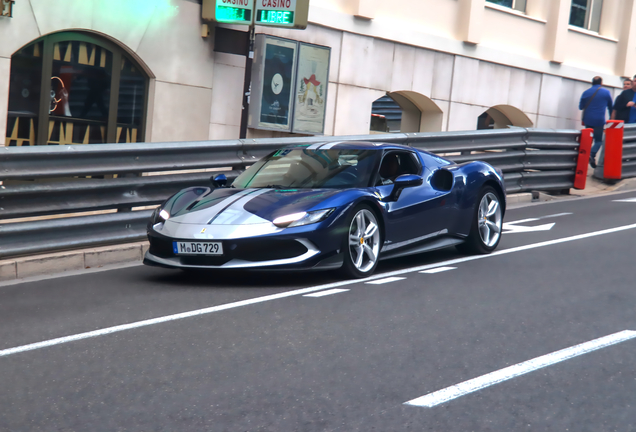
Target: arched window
column 407, row 112
column 502, row 116
column 75, row 88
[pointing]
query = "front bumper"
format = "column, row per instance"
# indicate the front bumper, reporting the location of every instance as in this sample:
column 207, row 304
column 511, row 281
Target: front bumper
column 267, row 253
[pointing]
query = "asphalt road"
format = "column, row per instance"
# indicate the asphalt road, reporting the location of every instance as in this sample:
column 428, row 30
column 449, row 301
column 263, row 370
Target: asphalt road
column 262, row 355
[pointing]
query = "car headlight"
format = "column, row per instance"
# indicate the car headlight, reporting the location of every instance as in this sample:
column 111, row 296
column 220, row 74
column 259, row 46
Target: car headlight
column 303, row 218
column 160, row 215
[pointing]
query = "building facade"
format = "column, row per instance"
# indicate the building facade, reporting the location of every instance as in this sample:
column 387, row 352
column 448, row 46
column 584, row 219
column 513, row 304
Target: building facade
column 104, row 71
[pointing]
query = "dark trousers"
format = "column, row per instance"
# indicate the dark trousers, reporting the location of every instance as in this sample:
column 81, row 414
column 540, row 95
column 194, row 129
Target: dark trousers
column 598, row 139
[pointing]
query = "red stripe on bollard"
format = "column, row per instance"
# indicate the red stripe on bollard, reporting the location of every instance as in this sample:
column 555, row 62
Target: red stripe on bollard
column 580, row 178
column 613, row 162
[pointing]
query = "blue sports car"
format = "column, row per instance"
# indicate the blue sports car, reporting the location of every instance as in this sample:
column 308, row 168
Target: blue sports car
column 342, row 205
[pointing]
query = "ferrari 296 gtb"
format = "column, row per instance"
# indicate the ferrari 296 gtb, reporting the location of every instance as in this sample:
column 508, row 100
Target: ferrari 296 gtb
column 339, row 205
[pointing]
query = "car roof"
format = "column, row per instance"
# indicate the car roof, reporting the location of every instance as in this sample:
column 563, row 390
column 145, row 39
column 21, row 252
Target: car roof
column 350, row 145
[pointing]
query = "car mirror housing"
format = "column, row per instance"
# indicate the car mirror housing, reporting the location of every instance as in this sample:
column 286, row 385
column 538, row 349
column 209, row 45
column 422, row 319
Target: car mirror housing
column 404, row 181
column 219, row 181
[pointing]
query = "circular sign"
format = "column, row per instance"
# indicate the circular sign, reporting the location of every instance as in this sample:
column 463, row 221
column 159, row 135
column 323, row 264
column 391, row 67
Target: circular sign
column 277, row 83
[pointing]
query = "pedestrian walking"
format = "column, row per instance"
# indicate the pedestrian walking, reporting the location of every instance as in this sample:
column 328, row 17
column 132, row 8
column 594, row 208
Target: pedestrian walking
column 594, row 102
column 624, row 103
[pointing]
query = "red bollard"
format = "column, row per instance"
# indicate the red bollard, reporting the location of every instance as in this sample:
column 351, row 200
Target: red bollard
column 580, row 178
column 613, row 162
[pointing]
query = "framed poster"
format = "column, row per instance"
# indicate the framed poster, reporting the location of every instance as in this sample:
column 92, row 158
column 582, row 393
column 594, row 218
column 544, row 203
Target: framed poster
column 312, row 80
column 271, row 101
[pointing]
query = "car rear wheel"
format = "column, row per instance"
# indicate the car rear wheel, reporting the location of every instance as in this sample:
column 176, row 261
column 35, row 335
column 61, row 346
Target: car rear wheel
column 362, row 244
column 485, row 232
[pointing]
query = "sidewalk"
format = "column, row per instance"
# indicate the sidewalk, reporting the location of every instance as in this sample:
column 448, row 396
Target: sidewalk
column 595, row 186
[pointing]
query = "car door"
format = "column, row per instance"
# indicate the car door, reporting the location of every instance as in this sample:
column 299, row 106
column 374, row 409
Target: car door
column 419, row 212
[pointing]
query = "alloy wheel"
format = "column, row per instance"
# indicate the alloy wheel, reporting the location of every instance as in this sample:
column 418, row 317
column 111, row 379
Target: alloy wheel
column 364, row 240
column 489, row 219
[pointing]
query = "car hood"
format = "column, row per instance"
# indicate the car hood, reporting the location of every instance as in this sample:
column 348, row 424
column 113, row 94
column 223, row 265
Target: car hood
column 250, row 206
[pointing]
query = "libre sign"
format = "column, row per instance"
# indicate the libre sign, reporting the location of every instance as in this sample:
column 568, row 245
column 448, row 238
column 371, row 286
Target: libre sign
column 270, row 13
column 282, row 13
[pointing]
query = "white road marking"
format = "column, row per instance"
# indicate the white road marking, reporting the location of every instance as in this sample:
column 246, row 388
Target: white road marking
column 556, row 215
column 515, row 229
column 385, row 280
column 630, row 200
column 326, row 293
column 470, row 386
column 438, row 270
column 522, row 221
column 539, row 218
column 159, row 320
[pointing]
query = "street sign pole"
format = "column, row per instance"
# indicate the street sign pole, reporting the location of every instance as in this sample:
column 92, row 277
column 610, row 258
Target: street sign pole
column 247, row 83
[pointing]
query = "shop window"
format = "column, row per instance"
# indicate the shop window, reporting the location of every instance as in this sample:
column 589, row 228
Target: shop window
column 519, row 5
column 586, row 14
column 72, row 88
column 131, row 106
column 24, row 95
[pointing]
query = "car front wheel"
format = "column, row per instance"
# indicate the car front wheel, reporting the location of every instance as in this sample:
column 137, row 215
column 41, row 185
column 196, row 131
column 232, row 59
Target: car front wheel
column 362, row 245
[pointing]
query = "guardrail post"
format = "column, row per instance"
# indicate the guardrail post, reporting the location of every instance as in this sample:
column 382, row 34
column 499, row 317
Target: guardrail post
column 585, row 145
column 613, row 164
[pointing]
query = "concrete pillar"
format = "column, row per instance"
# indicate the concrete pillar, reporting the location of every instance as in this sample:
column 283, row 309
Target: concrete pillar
column 538, row 8
column 625, row 59
column 471, row 20
column 557, row 28
column 612, row 23
column 365, row 9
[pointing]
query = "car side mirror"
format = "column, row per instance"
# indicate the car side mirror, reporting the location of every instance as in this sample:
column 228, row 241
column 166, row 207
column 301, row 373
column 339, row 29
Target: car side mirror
column 219, row 181
column 402, row 182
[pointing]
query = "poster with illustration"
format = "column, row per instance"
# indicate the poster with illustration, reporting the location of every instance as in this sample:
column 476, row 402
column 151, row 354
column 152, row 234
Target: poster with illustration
column 278, row 79
column 311, row 89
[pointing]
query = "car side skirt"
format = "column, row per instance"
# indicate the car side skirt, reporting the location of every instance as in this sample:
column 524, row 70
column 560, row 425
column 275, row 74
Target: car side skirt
column 439, row 242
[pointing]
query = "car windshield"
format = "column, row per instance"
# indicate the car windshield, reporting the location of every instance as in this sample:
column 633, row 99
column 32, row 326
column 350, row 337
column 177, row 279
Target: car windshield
column 303, row 168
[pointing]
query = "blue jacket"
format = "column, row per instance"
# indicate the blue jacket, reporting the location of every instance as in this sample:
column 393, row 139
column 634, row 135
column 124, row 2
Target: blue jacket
column 595, row 112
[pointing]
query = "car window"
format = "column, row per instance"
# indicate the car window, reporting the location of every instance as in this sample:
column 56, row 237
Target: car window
column 395, row 164
column 298, row 169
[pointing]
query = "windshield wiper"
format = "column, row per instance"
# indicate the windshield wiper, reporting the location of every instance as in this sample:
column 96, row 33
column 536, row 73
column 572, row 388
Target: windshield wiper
column 275, row 187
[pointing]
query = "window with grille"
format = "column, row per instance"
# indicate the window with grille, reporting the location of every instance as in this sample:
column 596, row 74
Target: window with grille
column 519, row 5
column 586, row 14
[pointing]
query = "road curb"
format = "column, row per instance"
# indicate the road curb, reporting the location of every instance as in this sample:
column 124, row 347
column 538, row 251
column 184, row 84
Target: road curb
column 519, row 198
column 528, row 197
column 38, row 265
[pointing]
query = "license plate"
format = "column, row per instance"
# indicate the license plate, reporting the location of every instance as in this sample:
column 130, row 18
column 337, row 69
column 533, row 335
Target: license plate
column 197, row 248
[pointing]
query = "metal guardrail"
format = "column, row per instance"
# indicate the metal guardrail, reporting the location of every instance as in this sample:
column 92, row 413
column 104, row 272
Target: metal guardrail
column 629, row 151
column 61, row 180
column 629, row 155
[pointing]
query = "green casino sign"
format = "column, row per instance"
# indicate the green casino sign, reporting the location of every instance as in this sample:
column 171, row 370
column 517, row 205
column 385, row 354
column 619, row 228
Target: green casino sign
column 268, row 13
